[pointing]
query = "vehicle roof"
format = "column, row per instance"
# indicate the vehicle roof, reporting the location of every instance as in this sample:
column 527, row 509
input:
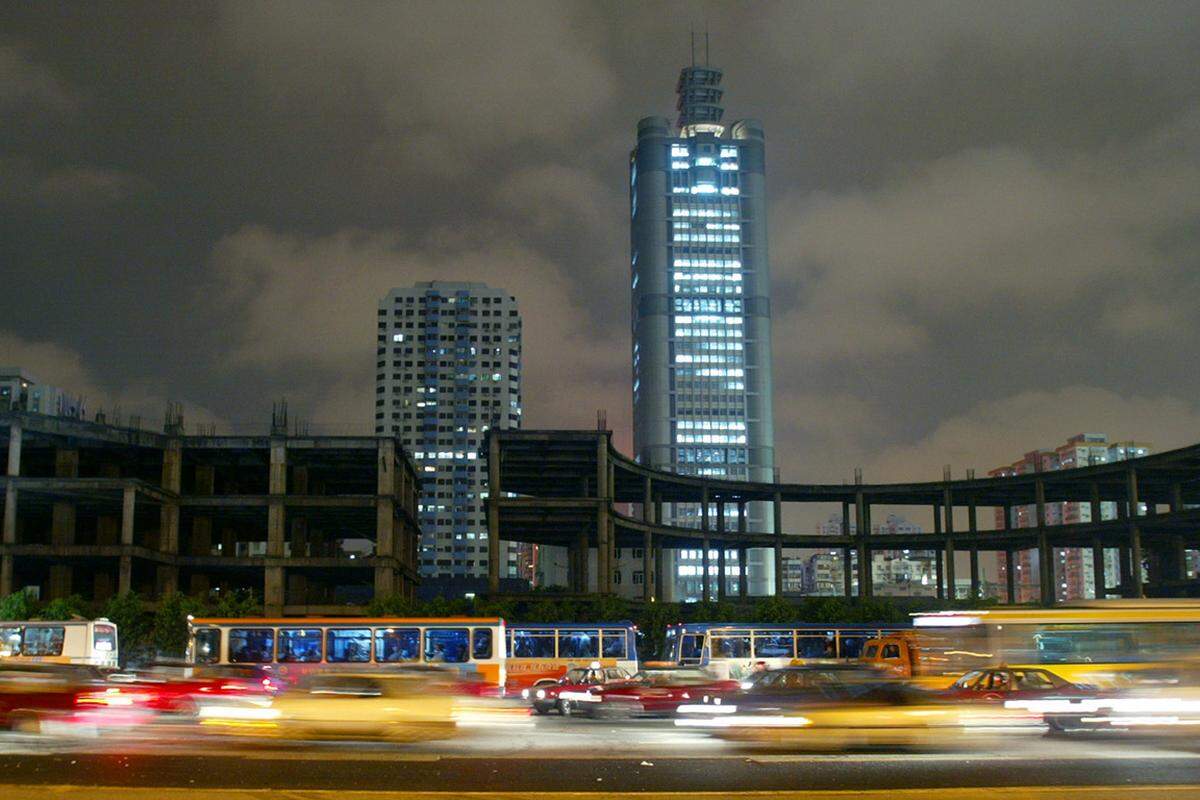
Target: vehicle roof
column 1094, row 611
column 699, row 627
column 344, row 622
column 624, row 623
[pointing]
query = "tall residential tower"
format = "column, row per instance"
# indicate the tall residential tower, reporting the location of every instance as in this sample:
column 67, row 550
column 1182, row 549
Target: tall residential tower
column 448, row 368
column 701, row 311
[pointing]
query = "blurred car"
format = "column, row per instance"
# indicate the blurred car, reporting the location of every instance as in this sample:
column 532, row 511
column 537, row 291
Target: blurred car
column 170, row 691
column 885, row 714
column 655, row 692
column 41, row 698
column 401, row 706
column 573, row 689
column 1152, row 702
column 773, row 691
column 998, row 684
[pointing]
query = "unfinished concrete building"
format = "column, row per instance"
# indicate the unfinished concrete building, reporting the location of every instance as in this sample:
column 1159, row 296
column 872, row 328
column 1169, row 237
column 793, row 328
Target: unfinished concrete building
column 312, row 524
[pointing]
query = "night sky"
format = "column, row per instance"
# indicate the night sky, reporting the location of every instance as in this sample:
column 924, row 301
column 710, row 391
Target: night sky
column 985, row 217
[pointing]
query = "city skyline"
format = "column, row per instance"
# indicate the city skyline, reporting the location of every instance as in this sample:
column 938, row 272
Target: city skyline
column 922, row 242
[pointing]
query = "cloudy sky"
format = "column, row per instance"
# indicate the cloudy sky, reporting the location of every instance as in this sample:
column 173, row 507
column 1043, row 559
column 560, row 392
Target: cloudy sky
column 985, row 216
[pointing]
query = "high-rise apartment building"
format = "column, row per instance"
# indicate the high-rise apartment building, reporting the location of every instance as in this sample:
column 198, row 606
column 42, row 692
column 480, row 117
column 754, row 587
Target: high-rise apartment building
column 895, row 572
column 448, row 368
column 1073, row 574
column 700, row 280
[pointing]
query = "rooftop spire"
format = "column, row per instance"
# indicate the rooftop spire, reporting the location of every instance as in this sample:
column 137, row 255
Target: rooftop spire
column 699, row 91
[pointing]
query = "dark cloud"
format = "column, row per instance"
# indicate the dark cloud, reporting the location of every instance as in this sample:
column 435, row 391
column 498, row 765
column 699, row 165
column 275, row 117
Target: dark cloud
column 985, row 226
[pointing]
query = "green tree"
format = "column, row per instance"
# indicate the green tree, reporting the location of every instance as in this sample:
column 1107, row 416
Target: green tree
column 774, row 609
column 393, row 605
column 133, row 625
column 64, row 608
column 19, row 605
column 170, row 623
column 237, row 603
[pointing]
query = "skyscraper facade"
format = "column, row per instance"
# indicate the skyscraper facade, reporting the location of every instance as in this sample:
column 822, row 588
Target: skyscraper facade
column 701, row 313
column 1074, row 577
column 448, row 368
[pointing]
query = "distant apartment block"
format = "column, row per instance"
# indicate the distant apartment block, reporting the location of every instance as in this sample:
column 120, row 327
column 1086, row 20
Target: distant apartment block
column 1073, row 574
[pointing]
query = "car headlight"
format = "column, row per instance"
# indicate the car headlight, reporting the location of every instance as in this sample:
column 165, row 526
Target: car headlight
column 541, row 694
column 524, row 694
column 746, row 685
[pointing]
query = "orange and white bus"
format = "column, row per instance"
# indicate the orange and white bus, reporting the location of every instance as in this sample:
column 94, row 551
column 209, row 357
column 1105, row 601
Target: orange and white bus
column 541, row 652
column 292, row 646
column 78, row 641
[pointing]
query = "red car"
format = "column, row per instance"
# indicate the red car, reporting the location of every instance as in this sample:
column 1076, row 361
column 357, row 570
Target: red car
column 573, row 690
column 997, row 684
column 656, row 692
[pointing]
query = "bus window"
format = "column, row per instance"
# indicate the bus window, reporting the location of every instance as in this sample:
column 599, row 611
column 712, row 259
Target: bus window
column 774, row 645
column 731, row 645
column 251, row 645
column 852, row 645
column 578, row 644
column 43, row 641
column 397, row 644
column 348, row 645
column 819, row 646
column 104, row 638
column 614, row 644
column 481, row 643
column 691, row 647
column 299, row 645
column 532, row 644
column 208, row 645
column 10, row 641
column 446, row 645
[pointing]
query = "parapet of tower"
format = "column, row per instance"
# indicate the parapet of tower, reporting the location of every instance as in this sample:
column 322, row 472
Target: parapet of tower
column 699, row 102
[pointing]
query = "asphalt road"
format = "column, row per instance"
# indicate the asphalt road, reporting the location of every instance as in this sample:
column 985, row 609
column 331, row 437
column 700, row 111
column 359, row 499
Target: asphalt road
column 555, row 755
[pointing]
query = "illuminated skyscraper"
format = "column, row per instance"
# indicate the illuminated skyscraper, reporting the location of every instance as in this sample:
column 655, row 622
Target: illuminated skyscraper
column 701, row 311
column 448, row 367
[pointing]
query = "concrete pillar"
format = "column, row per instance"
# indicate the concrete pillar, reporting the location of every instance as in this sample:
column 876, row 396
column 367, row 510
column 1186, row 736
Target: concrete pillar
column 273, row 591
column 658, row 572
column 648, row 541
column 10, row 514
column 6, row 575
column 975, row 587
column 847, row 572
column 972, row 516
column 102, row 585
column 722, row 552
column 1010, row 576
column 495, row 481
column 604, row 549
column 940, row 573
column 743, row 554
column 172, row 481
column 385, row 580
column 385, row 510
column 201, row 543
column 128, row 515
column 1178, row 559
column 62, row 520
column 276, row 511
column 206, row 479
column 865, row 580
column 1098, row 577
column 705, row 543
column 777, row 511
column 14, row 450
column 948, row 507
column 166, row 580
column 937, row 517
column 1135, row 537
column 1176, row 497
column 300, row 475
column 1045, row 554
column 60, row 580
